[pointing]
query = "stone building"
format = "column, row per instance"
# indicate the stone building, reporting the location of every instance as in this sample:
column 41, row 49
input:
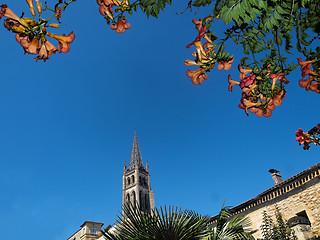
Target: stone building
column 298, row 199
column 136, row 189
column 88, row 231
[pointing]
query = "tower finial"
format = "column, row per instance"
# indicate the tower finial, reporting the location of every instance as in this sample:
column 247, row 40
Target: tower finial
column 135, row 159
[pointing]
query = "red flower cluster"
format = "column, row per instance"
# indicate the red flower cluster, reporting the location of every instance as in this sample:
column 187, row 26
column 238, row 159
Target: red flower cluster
column 313, row 82
column 106, row 10
column 31, row 34
column 312, row 136
column 252, row 99
column 205, row 55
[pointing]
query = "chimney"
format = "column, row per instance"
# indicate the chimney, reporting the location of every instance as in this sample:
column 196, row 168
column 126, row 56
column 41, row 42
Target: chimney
column 277, row 178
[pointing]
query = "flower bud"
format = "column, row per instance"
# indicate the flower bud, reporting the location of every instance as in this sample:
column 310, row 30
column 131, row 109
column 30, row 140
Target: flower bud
column 39, row 6
column 50, row 34
column 53, row 25
column 31, row 7
column 33, row 11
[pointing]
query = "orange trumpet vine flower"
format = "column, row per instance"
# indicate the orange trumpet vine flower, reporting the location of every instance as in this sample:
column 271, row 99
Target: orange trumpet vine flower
column 275, row 78
column 231, row 83
column 315, row 87
column 243, row 72
column 197, row 76
column 121, row 25
column 225, row 65
column 64, row 41
column 306, row 83
column 277, row 99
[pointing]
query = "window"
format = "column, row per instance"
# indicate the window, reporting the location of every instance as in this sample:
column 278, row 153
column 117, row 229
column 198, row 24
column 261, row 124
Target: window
column 303, row 214
column 93, row 230
column 134, row 198
column 146, row 207
column 140, row 201
column 132, row 178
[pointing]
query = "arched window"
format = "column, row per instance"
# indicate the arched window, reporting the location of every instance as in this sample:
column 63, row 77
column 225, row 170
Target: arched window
column 146, row 205
column 128, row 198
column 134, row 198
column 140, row 180
column 132, row 178
column 141, row 200
column 128, row 181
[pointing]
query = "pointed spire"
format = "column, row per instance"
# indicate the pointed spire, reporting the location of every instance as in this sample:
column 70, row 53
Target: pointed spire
column 135, row 159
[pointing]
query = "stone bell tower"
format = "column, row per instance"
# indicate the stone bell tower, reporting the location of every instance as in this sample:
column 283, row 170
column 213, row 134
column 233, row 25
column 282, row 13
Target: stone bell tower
column 136, row 187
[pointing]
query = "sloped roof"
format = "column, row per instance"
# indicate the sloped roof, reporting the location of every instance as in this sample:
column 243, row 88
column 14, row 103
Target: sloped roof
column 271, row 193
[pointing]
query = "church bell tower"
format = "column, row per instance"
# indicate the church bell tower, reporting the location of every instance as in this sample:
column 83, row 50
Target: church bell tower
column 136, row 187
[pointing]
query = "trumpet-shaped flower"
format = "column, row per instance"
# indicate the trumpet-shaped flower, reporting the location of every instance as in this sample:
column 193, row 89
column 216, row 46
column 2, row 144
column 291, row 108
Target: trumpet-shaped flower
column 259, row 112
column 64, row 41
column 201, row 34
column 105, row 8
column 306, row 83
column 277, row 99
column 225, row 65
column 201, row 53
column 7, row 12
column 315, row 87
column 197, row 76
column 231, row 83
column 33, row 47
column 51, row 49
column 23, row 40
column 121, row 25
column 190, row 62
column 305, row 67
column 43, row 54
column 247, row 104
column 46, row 49
column 243, row 72
column 275, row 78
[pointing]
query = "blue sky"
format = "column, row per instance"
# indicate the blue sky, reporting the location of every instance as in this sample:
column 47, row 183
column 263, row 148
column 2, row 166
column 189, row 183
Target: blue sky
column 67, row 125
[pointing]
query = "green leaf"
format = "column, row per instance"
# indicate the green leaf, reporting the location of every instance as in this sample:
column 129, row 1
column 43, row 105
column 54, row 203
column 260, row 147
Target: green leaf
column 262, row 4
column 282, row 10
column 277, row 15
column 225, row 14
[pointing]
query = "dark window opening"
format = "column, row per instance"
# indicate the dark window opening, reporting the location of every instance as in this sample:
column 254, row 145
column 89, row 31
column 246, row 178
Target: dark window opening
column 303, row 214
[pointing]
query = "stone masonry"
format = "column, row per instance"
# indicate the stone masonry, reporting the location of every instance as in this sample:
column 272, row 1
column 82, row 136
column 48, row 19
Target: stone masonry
column 297, row 196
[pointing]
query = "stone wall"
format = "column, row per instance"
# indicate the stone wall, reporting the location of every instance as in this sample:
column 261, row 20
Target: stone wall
column 306, row 198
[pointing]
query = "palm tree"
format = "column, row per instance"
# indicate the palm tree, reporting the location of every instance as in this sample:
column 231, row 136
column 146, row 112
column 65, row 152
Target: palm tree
column 160, row 224
column 174, row 224
column 228, row 227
